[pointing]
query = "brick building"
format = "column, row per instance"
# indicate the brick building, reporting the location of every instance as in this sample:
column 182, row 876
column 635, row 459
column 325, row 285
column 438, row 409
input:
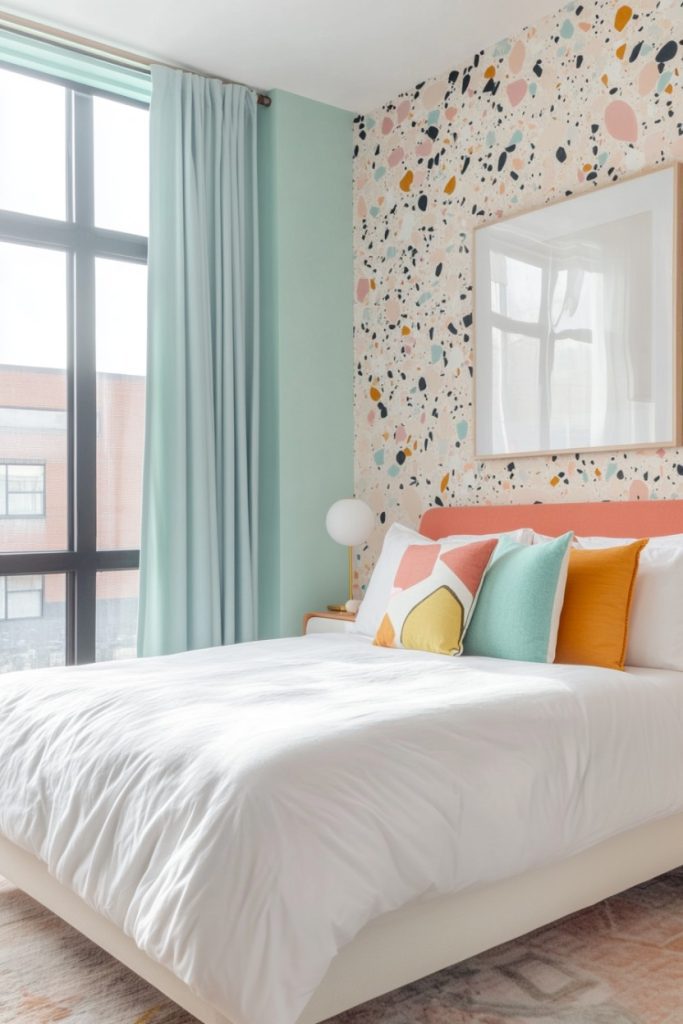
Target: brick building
column 34, row 509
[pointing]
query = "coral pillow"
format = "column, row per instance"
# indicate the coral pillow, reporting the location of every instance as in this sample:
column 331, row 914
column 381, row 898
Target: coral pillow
column 597, row 604
column 433, row 596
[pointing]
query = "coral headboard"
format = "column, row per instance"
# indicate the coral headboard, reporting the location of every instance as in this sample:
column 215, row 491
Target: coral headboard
column 588, row 518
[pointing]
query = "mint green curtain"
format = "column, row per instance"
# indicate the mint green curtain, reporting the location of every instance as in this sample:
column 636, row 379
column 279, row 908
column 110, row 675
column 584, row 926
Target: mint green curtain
column 72, row 67
column 199, row 524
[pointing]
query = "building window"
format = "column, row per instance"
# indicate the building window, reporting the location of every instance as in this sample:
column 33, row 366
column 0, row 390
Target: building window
column 73, row 282
column 22, row 490
column 14, row 418
column 21, row 597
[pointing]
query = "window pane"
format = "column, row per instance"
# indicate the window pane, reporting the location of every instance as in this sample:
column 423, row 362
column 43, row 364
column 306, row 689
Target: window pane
column 121, row 326
column 25, row 478
column 25, row 490
column 515, row 364
column 25, row 504
column 33, row 419
column 117, row 614
column 15, row 583
column 24, row 597
column 32, row 622
column 33, row 398
column 121, row 142
column 516, row 288
column 571, row 395
column 33, row 146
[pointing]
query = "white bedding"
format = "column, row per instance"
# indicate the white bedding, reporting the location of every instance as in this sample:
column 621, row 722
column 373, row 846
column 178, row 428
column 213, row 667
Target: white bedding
column 242, row 812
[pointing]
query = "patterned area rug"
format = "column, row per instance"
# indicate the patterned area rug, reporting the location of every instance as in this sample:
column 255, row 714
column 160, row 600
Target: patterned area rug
column 620, row 962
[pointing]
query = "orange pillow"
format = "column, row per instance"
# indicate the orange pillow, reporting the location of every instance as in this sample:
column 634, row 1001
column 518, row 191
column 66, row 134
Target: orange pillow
column 597, row 602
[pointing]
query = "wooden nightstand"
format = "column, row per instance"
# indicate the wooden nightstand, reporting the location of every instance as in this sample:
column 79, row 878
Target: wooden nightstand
column 328, row 622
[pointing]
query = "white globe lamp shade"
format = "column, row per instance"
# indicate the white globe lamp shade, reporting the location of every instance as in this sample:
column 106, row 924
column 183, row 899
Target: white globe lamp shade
column 350, row 521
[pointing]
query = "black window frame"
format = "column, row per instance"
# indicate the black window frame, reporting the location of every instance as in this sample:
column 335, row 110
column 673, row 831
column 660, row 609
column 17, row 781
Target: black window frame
column 82, row 242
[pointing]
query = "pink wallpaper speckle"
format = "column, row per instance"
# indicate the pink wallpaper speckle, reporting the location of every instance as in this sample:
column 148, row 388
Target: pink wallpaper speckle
column 581, row 99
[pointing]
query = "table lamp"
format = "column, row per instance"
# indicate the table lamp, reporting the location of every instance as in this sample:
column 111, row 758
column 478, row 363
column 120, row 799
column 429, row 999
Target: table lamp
column 350, row 522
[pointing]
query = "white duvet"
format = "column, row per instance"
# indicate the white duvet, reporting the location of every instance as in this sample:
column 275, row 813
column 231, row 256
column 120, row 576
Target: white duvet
column 242, row 812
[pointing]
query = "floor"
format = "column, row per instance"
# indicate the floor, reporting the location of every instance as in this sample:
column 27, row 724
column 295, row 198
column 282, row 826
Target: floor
column 620, row 962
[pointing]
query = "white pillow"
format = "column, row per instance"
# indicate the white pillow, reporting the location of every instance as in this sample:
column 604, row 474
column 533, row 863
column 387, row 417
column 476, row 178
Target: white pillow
column 397, row 539
column 671, row 540
column 655, row 636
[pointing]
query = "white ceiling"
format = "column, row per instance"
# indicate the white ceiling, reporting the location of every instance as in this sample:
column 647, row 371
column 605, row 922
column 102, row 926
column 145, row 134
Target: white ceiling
column 354, row 54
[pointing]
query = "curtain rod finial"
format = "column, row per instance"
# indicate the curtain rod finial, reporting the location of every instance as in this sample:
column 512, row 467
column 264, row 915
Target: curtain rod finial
column 263, row 100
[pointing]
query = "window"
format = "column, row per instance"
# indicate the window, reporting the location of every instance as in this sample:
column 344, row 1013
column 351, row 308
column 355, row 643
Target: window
column 22, row 490
column 73, row 281
column 21, row 597
column 13, row 418
column 540, row 331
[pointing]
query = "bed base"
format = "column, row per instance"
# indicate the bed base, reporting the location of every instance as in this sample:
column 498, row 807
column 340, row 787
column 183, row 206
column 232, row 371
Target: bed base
column 406, row 944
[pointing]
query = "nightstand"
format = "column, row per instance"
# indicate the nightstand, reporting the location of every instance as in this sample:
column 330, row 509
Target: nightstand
column 328, row 622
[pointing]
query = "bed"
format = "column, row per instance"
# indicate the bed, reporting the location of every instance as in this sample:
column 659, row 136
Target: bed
column 311, row 837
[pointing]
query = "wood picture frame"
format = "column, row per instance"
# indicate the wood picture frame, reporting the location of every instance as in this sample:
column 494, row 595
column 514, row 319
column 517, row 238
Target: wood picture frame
column 655, row 421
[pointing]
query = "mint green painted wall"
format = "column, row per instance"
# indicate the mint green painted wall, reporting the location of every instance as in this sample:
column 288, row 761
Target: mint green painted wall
column 305, row 151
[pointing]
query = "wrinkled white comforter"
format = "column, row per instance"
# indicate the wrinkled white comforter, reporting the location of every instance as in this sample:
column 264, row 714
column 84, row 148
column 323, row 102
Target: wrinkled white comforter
column 242, row 812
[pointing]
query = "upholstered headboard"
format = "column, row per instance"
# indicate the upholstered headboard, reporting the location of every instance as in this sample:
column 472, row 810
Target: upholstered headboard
column 595, row 518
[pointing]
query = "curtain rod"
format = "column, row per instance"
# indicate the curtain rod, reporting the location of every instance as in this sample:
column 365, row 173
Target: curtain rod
column 81, row 44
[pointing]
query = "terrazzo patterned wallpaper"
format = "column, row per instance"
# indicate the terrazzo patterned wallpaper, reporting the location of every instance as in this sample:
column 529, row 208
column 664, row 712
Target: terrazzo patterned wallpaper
column 579, row 100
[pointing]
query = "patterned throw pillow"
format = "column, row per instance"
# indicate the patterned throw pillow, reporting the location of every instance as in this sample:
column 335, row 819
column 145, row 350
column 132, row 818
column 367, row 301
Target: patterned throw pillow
column 433, row 596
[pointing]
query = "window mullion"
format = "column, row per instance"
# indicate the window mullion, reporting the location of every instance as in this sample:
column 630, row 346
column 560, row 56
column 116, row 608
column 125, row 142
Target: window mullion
column 70, row 579
column 85, row 384
column 69, row 155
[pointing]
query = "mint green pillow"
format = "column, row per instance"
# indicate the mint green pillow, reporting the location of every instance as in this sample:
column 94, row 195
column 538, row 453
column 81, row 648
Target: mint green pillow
column 518, row 609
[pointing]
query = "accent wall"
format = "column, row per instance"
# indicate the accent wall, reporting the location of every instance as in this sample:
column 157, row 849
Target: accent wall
column 582, row 99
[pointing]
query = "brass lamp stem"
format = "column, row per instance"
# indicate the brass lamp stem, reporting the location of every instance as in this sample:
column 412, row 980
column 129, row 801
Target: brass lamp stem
column 342, row 607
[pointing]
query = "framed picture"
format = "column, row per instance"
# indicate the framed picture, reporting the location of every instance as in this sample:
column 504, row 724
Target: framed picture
column 578, row 322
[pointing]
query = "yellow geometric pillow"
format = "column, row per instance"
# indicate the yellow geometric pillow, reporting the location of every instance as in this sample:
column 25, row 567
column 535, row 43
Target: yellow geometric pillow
column 434, row 593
